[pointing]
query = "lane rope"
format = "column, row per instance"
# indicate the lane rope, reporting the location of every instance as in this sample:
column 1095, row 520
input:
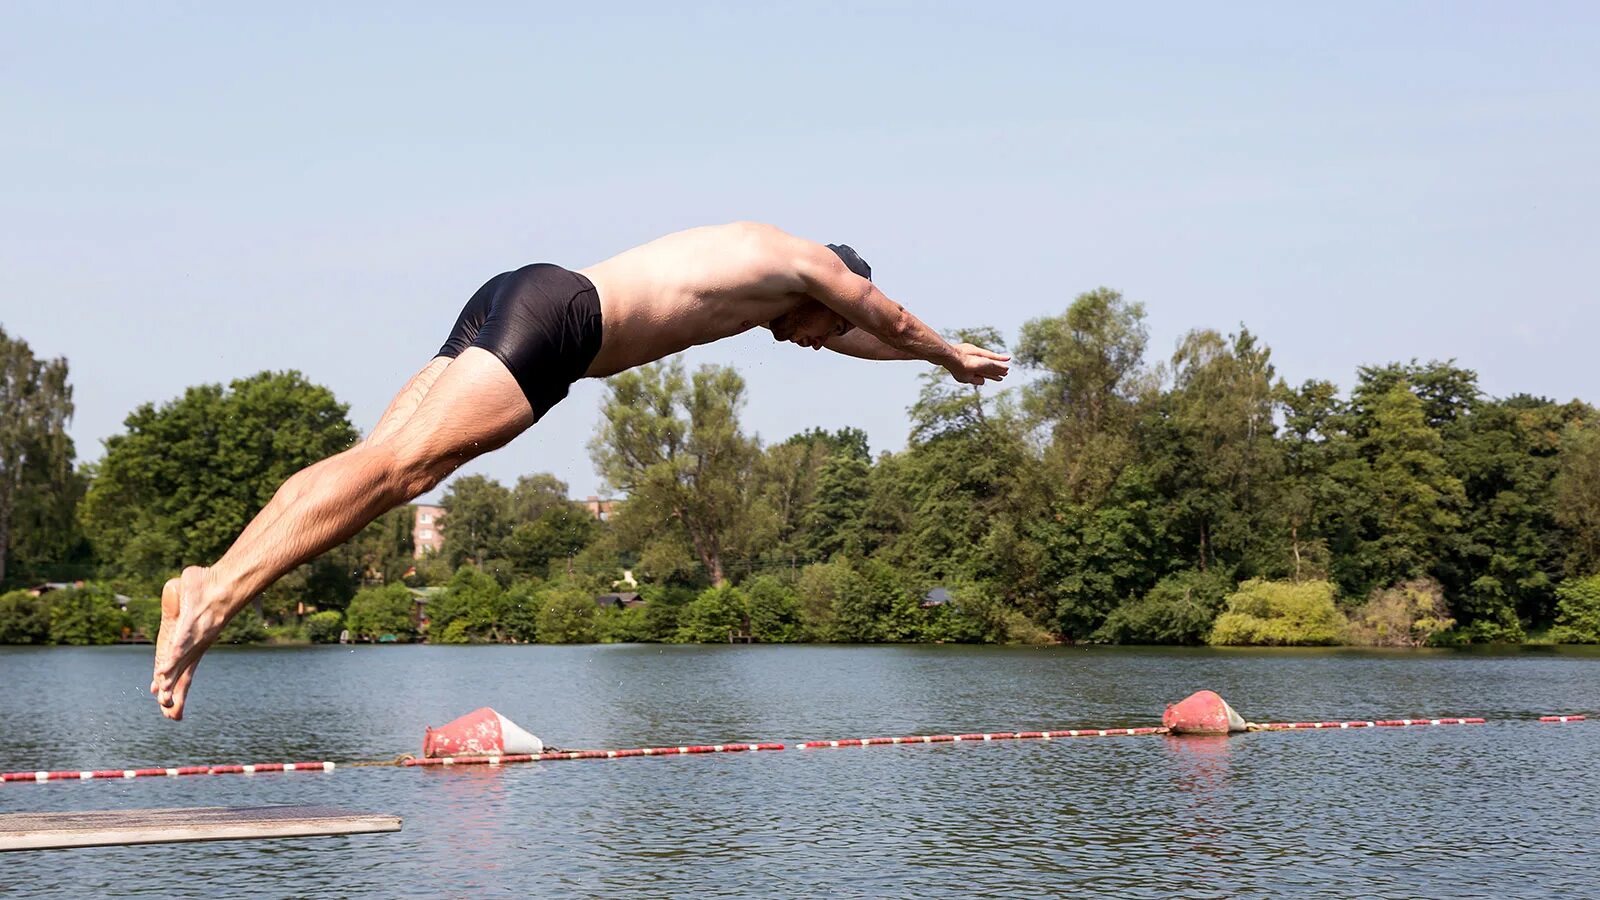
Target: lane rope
column 166, row 771
column 1374, row 723
column 697, row 749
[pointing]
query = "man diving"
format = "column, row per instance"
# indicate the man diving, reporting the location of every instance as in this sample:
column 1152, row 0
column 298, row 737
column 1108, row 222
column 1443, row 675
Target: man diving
column 516, row 348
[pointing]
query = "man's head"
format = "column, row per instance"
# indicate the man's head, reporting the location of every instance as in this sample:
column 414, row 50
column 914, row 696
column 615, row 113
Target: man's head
column 809, row 324
column 852, row 260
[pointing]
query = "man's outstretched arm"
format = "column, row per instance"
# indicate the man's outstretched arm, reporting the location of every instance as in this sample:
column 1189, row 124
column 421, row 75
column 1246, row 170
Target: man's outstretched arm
column 889, row 330
column 861, row 304
column 983, row 364
column 861, row 345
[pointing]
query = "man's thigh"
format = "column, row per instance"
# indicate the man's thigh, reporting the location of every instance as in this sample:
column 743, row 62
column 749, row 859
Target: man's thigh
column 475, row 406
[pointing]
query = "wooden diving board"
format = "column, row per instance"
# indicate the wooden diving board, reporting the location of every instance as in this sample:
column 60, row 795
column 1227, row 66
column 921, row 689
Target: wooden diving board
column 100, row 828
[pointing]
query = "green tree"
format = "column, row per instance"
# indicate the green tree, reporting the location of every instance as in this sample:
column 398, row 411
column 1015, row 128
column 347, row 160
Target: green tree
column 1092, row 378
column 536, row 494
column 385, row 550
column 325, row 582
column 1446, row 392
column 622, row 626
column 848, row 441
column 477, row 520
column 774, row 610
column 559, row 532
column 820, row 587
column 1223, row 478
column 673, row 444
column 35, row 452
column 1412, row 614
column 865, row 603
column 1578, row 611
column 663, row 603
column 46, row 538
column 786, row 480
column 24, row 618
column 567, row 617
column 470, row 609
column 1180, row 609
column 951, row 505
column 714, row 615
column 1278, row 613
column 1577, row 495
column 835, row 521
column 1507, row 553
column 1096, row 556
column 245, row 628
column 519, row 612
column 1309, row 500
column 324, row 627
column 185, row 478
column 378, row 611
column 86, row 615
column 144, row 616
column 1414, row 499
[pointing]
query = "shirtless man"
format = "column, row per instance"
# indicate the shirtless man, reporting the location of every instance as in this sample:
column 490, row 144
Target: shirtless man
column 521, row 341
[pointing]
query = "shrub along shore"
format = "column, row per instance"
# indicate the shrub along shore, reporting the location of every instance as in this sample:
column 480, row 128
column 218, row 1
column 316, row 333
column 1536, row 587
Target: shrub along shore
column 828, row 603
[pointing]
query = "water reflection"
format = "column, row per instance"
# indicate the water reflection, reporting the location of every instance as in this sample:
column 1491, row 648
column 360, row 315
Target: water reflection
column 1201, row 773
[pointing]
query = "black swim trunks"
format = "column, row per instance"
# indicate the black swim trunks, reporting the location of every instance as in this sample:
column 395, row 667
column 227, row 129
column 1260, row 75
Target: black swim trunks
column 542, row 321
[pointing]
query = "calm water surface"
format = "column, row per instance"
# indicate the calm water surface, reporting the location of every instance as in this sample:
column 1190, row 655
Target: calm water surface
column 1506, row 809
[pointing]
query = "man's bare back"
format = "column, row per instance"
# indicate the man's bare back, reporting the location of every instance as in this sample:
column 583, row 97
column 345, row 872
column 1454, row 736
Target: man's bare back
column 704, row 284
column 685, row 289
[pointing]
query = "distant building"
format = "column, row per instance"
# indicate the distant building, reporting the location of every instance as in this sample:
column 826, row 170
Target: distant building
column 39, row 590
column 600, row 509
column 426, row 534
column 624, row 600
column 939, row 596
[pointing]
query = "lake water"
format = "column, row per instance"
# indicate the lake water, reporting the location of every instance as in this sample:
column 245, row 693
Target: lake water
column 1511, row 808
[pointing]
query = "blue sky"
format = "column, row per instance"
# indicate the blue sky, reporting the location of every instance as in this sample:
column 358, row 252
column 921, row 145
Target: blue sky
column 195, row 193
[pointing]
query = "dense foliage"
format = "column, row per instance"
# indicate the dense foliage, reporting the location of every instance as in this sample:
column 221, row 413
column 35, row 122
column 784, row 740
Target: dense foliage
column 1107, row 497
column 76, row 616
column 180, row 484
column 38, row 487
column 1280, row 614
column 1578, row 611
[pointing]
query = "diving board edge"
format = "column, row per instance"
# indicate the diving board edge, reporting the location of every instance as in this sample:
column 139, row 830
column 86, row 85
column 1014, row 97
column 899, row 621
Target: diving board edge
column 51, row 831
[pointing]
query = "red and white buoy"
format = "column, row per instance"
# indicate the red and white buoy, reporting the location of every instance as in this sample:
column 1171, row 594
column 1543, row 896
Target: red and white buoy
column 482, row 732
column 1202, row 712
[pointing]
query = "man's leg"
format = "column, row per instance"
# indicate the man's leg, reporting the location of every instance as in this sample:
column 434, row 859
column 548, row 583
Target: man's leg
column 446, row 415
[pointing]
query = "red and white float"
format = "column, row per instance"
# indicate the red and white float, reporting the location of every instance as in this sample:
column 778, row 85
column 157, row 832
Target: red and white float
column 1203, row 712
column 482, row 732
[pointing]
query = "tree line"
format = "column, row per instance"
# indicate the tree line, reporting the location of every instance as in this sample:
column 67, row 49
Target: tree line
column 1108, row 498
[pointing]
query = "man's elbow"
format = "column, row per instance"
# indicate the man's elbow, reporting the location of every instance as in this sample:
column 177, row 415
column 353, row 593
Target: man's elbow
column 900, row 327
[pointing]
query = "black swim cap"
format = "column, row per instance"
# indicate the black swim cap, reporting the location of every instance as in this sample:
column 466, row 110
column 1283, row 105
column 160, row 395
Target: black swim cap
column 852, row 260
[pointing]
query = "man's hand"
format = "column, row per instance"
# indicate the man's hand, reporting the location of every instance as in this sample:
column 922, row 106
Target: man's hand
column 974, row 365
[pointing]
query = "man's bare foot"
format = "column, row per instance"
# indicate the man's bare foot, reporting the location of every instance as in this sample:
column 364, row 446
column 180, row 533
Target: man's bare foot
column 192, row 615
